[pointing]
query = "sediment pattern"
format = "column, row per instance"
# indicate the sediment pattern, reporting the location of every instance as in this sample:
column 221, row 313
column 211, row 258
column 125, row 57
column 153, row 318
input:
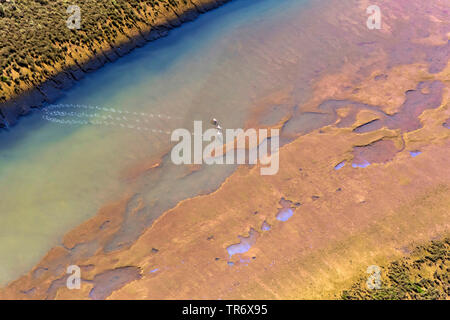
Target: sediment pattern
column 364, row 185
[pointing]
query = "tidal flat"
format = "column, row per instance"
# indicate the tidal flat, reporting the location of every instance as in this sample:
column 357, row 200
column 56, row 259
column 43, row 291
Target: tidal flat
column 368, row 97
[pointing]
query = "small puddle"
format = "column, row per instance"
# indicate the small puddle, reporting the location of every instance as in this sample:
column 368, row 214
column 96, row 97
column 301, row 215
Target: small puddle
column 414, row 153
column 265, row 226
column 364, row 164
column 244, row 245
column 339, row 165
column 286, row 212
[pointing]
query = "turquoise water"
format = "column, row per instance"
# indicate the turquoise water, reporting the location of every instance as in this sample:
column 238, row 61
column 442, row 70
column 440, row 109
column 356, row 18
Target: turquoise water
column 55, row 176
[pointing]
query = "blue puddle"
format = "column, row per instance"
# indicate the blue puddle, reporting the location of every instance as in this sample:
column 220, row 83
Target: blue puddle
column 339, row 166
column 244, row 245
column 285, row 214
column 414, row 153
column 238, row 248
column 265, row 226
column 365, row 164
column 154, row 270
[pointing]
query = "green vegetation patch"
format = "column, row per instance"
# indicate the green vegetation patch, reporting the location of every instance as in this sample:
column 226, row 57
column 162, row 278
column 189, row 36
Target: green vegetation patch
column 34, row 36
column 424, row 275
